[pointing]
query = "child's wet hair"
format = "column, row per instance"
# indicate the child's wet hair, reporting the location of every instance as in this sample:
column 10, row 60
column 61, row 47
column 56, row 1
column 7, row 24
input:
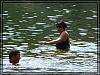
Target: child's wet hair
column 13, row 53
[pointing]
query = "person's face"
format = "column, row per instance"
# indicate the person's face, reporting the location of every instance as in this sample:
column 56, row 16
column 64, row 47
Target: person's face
column 15, row 59
column 59, row 29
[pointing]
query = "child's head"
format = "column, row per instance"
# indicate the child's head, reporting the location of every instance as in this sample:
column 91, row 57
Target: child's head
column 14, row 57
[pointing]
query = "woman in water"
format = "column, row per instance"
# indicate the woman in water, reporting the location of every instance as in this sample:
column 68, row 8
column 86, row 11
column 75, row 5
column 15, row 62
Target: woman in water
column 62, row 42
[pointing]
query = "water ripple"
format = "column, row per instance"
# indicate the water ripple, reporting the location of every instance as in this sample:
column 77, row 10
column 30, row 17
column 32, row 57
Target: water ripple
column 40, row 23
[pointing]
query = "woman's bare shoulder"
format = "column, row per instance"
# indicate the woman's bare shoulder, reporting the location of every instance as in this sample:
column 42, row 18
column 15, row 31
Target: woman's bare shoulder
column 65, row 33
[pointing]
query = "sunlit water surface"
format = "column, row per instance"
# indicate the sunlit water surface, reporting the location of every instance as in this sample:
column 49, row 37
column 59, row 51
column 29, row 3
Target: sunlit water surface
column 26, row 26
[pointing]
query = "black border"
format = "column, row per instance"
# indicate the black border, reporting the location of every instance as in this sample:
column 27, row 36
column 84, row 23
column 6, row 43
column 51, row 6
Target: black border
column 51, row 1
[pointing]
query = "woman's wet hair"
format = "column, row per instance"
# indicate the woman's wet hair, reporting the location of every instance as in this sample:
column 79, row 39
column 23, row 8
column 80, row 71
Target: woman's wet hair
column 61, row 24
column 13, row 53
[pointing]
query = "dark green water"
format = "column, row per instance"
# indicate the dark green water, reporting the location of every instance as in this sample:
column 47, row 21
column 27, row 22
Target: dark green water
column 27, row 25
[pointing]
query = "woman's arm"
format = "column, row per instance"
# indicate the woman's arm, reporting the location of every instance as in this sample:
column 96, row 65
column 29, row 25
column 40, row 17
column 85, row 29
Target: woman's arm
column 61, row 39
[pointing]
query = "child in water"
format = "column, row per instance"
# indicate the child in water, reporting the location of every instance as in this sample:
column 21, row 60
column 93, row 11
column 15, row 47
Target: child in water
column 14, row 57
column 62, row 42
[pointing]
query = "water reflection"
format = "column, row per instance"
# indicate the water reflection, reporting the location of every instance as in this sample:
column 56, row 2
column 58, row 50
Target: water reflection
column 28, row 26
column 53, row 61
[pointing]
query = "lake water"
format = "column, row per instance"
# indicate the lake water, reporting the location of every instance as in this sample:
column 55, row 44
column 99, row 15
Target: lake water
column 26, row 26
